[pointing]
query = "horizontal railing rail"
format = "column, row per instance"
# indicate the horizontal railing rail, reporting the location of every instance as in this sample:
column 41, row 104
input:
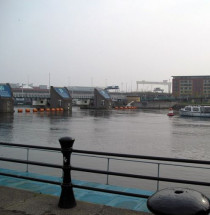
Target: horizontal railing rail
column 31, row 162
column 30, row 146
column 67, row 150
column 159, row 163
column 109, row 154
column 141, row 157
column 30, row 178
column 75, row 186
column 106, row 172
column 141, row 176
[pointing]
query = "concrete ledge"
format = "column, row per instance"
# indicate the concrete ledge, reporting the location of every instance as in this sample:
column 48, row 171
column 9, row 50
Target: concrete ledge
column 21, row 202
column 83, row 195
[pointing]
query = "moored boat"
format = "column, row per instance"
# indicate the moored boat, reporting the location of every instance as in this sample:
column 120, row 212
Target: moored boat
column 197, row 111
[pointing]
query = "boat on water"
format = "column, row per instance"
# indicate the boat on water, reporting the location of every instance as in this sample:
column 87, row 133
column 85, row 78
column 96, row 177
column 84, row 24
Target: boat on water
column 198, row 111
column 170, row 112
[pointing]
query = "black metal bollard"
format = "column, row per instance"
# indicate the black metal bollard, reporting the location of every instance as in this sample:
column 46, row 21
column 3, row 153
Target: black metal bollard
column 178, row 201
column 67, row 199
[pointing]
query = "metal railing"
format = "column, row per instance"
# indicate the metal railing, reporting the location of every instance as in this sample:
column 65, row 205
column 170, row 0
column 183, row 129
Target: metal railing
column 67, row 199
column 138, row 161
column 141, row 157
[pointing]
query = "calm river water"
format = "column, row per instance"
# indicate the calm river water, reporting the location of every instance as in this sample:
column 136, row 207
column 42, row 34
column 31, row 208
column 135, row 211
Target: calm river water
column 142, row 132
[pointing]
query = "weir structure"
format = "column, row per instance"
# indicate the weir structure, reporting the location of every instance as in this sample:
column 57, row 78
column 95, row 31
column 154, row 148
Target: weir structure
column 102, row 99
column 6, row 99
column 60, row 98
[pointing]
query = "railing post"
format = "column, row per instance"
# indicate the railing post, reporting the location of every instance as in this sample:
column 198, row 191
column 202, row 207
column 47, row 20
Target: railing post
column 107, row 175
column 158, row 176
column 67, row 199
column 27, row 159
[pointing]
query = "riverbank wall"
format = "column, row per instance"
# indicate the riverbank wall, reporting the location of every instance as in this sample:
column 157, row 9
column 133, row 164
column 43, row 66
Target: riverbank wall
column 154, row 104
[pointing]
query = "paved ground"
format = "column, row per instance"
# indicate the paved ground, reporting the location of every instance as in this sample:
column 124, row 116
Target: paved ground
column 21, row 202
column 83, row 195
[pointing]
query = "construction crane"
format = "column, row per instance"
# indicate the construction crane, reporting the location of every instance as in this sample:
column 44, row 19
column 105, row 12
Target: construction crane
column 164, row 82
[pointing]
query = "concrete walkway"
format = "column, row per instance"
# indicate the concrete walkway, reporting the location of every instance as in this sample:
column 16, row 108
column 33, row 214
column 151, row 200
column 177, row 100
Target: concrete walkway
column 21, row 202
column 83, row 195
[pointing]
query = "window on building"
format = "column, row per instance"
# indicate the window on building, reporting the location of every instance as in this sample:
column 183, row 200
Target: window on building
column 195, row 109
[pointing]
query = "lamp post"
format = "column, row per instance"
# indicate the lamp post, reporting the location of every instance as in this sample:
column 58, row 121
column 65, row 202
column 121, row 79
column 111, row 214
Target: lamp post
column 22, row 89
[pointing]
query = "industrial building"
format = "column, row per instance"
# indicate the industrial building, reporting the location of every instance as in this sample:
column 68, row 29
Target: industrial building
column 191, row 86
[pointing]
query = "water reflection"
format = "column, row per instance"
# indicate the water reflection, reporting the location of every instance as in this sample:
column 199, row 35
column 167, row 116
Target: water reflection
column 190, row 138
column 100, row 113
column 142, row 132
column 147, row 132
column 6, row 127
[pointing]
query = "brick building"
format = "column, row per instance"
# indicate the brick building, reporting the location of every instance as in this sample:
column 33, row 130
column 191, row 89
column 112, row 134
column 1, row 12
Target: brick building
column 194, row 86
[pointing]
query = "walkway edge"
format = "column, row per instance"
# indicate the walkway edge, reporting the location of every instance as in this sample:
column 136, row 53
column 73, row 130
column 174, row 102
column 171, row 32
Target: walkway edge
column 21, row 202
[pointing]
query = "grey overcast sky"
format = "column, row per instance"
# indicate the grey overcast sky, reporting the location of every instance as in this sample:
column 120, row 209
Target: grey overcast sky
column 103, row 42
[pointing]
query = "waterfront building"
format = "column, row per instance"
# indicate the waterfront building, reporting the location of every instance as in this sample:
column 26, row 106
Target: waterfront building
column 191, row 86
